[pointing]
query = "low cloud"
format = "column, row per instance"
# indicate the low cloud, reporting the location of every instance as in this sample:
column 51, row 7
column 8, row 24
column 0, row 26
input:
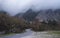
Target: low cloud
column 15, row 6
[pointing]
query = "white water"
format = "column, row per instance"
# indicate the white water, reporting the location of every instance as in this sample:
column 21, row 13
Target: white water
column 31, row 34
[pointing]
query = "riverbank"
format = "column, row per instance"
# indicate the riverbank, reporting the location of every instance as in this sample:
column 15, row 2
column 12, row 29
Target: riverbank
column 31, row 34
column 54, row 32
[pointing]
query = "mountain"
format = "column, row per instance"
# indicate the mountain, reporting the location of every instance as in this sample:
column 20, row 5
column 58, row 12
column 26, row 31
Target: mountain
column 49, row 14
column 46, row 14
column 19, row 15
column 30, row 15
column 3, row 12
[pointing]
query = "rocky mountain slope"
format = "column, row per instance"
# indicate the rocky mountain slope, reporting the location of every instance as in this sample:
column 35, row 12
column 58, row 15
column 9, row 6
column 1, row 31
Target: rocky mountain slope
column 47, row 14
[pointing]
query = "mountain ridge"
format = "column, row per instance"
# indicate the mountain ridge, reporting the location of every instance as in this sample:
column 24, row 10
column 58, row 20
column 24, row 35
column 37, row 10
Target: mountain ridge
column 46, row 14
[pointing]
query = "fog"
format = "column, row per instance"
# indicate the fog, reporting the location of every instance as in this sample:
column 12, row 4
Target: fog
column 19, row 6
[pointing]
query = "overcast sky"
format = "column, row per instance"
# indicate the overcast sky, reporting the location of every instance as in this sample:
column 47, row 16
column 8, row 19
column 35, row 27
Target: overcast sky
column 16, row 6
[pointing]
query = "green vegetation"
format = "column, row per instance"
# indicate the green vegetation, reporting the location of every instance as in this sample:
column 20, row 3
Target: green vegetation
column 54, row 32
column 7, row 34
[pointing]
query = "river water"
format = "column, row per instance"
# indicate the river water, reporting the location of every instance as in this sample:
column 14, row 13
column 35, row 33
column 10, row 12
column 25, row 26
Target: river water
column 32, row 34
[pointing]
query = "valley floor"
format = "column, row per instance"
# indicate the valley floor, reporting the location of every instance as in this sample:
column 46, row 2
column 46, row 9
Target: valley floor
column 31, row 34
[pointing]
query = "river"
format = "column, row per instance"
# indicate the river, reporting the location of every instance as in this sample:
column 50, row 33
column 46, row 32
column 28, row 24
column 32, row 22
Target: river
column 32, row 34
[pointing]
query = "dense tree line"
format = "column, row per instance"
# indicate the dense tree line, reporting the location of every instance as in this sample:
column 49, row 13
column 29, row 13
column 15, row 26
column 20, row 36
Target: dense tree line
column 11, row 23
column 45, row 26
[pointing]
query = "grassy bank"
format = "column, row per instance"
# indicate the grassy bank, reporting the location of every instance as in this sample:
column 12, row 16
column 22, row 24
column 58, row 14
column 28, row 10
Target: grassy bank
column 7, row 34
column 54, row 32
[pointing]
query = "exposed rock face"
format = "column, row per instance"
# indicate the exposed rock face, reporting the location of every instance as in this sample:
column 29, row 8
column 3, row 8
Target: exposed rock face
column 49, row 15
column 46, row 14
